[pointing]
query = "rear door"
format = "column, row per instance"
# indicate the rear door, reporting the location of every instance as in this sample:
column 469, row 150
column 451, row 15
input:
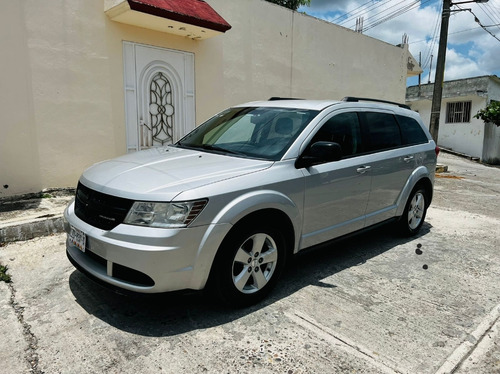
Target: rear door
column 391, row 163
column 336, row 193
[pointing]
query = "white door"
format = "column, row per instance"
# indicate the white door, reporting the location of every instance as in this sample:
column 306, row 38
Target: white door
column 159, row 95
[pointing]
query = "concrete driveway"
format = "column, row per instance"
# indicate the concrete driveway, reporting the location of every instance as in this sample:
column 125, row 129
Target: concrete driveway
column 372, row 304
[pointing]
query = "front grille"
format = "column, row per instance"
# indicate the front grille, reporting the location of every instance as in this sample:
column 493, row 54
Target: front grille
column 99, row 209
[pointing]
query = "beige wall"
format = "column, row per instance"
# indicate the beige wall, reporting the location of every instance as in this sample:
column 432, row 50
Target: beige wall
column 62, row 100
column 19, row 159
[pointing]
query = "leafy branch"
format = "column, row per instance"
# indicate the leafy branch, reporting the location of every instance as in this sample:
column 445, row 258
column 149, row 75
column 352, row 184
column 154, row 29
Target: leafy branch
column 490, row 114
column 291, row 4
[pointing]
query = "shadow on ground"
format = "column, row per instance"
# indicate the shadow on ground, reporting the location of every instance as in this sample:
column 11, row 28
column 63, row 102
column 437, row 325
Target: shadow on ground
column 176, row 313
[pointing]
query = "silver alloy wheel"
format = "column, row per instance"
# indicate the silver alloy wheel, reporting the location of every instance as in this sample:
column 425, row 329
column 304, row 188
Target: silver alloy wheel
column 254, row 263
column 416, row 210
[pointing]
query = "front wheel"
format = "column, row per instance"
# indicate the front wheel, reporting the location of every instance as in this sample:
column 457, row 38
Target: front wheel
column 248, row 265
column 414, row 214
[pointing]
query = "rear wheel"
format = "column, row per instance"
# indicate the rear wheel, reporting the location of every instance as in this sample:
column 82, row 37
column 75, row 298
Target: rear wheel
column 248, row 265
column 414, row 214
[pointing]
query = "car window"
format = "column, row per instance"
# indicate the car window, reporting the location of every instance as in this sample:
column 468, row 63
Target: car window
column 411, row 131
column 256, row 132
column 382, row 130
column 343, row 129
column 239, row 131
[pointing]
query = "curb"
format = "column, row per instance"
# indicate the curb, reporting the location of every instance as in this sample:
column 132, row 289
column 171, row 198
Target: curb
column 31, row 230
column 24, row 217
column 441, row 168
column 460, row 154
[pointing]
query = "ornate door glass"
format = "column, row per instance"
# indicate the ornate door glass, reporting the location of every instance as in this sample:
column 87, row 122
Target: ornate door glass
column 159, row 129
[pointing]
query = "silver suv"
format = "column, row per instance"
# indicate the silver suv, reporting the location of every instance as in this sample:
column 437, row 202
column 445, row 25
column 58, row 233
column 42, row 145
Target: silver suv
column 228, row 204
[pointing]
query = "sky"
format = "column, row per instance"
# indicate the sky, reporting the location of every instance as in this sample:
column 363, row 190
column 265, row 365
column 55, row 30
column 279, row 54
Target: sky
column 471, row 50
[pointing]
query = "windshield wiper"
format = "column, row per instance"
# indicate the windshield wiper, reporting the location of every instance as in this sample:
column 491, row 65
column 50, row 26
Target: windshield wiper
column 211, row 147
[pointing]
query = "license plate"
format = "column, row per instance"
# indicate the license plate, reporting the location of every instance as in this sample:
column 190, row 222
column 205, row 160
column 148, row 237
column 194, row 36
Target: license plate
column 77, row 238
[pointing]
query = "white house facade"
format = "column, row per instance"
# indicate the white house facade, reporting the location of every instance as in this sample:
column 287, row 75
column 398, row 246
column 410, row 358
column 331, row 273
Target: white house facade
column 458, row 129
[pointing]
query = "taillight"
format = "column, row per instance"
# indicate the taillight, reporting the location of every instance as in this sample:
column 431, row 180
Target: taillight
column 437, row 150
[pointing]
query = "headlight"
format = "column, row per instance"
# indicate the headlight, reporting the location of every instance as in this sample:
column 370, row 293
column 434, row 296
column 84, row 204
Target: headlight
column 167, row 215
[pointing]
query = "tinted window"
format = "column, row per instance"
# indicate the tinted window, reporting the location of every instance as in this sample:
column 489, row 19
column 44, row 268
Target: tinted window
column 411, row 131
column 382, row 130
column 342, row 129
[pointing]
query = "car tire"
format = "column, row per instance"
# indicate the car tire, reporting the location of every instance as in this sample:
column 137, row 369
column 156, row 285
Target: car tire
column 248, row 265
column 414, row 214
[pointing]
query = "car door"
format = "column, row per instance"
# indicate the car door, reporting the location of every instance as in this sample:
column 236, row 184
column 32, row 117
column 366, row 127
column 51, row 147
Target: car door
column 391, row 164
column 336, row 193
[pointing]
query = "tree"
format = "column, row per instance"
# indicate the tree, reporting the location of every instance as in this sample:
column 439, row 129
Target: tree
column 291, row 4
column 491, row 113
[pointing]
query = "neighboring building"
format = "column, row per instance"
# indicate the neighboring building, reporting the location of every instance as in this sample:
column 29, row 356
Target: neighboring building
column 83, row 81
column 458, row 129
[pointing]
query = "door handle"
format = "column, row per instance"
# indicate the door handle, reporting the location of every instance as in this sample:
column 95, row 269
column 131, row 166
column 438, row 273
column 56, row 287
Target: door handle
column 363, row 169
column 408, row 158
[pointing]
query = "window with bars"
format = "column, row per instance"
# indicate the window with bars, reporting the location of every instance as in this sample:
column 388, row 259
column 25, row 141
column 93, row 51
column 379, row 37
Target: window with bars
column 458, row 112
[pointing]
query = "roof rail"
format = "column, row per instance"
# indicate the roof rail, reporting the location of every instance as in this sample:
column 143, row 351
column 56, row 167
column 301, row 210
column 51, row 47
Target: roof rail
column 356, row 99
column 277, row 98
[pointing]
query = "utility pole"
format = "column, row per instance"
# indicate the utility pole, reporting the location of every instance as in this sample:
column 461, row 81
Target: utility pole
column 439, row 77
column 430, row 70
column 420, row 75
column 441, row 59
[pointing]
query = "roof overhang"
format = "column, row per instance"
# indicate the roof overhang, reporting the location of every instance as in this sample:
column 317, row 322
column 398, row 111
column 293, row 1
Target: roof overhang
column 194, row 19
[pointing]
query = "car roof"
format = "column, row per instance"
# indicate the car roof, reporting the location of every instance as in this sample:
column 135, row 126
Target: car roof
column 320, row 105
column 292, row 103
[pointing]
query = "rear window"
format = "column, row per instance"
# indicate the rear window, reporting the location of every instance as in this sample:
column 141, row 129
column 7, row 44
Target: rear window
column 411, row 131
column 382, row 130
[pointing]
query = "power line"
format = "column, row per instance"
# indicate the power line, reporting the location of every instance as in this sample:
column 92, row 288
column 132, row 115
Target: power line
column 384, row 10
column 491, row 12
column 352, row 12
column 482, row 26
column 367, row 10
column 393, row 15
column 450, row 33
column 437, row 25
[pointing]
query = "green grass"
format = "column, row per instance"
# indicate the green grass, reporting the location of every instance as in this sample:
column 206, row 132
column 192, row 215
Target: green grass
column 4, row 277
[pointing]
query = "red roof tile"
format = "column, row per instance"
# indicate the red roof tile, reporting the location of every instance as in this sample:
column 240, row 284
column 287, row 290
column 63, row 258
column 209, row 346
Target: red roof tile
column 193, row 12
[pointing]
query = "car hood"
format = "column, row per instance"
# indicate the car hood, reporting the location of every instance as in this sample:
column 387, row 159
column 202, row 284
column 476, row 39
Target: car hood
column 160, row 174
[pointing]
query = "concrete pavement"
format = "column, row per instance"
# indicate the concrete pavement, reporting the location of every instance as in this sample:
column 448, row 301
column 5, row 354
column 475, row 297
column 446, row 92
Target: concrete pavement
column 376, row 303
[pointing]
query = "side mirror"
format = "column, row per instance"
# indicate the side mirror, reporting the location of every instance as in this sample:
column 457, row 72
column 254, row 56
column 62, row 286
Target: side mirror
column 319, row 153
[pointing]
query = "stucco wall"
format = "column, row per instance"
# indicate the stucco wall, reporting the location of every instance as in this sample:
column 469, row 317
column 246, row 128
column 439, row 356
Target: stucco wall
column 466, row 138
column 19, row 163
column 62, row 93
column 463, row 137
column 491, row 148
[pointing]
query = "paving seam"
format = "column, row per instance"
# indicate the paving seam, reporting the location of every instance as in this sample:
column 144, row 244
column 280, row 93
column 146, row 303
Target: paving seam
column 341, row 342
column 464, row 350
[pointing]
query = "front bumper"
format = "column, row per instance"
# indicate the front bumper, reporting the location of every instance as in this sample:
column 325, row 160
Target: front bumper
column 144, row 259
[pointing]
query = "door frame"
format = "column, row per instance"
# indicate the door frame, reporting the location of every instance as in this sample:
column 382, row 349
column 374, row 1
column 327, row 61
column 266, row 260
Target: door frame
column 136, row 85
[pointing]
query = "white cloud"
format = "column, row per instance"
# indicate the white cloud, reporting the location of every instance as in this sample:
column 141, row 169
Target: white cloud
column 330, row 6
column 460, row 66
column 471, row 50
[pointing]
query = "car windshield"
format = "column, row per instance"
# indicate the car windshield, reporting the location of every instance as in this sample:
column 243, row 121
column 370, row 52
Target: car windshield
column 263, row 133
